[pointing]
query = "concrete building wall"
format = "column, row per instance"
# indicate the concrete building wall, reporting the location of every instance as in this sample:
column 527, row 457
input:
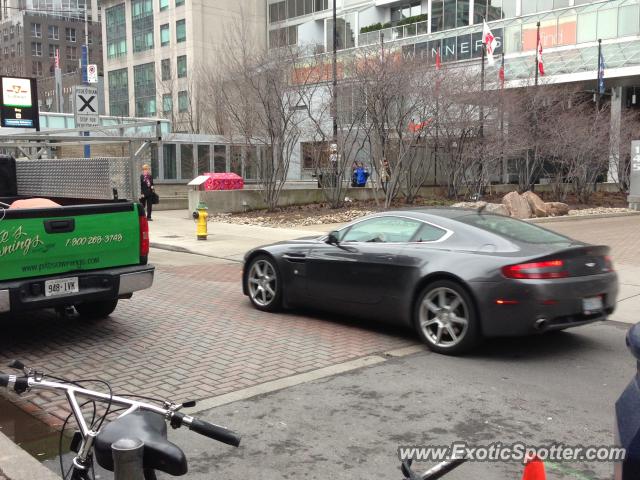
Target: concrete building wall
column 207, row 26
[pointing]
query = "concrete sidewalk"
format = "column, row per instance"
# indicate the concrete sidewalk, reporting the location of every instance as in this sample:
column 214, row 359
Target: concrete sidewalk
column 172, row 230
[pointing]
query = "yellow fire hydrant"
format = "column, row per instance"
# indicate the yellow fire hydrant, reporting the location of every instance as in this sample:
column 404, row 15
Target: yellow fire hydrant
column 201, row 216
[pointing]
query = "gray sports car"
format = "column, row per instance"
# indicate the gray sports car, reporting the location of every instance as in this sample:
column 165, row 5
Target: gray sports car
column 454, row 275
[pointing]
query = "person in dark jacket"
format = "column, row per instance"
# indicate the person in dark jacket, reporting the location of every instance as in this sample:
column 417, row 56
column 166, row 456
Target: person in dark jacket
column 147, row 190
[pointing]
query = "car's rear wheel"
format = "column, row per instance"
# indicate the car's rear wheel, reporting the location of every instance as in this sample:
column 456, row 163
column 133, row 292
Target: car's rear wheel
column 263, row 284
column 96, row 310
column 445, row 318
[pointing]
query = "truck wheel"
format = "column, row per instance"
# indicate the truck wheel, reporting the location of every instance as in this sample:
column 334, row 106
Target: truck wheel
column 97, row 310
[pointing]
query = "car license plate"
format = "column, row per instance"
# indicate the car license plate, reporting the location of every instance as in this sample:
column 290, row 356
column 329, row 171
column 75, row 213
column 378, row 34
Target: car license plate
column 591, row 304
column 61, row 286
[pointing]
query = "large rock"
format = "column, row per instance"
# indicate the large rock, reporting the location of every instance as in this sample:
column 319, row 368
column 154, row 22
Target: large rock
column 497, row 208
column 538, row 207
column 474, row 205
column 517, row 205
column 557, row 209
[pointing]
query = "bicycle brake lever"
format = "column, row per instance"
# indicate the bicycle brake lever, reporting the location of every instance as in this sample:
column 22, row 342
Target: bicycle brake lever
column 17, row 364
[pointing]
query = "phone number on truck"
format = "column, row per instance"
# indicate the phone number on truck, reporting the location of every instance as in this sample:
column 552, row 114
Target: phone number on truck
column 94, row 240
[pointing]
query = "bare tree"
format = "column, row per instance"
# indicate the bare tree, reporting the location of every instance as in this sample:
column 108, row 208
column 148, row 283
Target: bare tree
column 265, row 105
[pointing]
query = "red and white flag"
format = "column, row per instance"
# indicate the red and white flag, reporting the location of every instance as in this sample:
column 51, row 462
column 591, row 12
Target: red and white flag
column 489, row 42
column 539, row 54
column 438, row 60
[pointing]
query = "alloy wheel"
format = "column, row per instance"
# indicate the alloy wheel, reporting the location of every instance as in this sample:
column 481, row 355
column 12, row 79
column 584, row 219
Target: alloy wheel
column 444, row 317
column 263, row 283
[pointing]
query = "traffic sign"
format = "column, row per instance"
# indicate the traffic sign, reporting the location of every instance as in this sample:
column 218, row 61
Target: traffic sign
column 86, row 106
column 92, row 73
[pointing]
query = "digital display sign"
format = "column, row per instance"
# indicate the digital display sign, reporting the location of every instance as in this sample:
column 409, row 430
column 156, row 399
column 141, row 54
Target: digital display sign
column 19, row 103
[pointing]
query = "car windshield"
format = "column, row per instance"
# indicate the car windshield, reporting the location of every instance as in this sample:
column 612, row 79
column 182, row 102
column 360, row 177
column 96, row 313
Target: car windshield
column 514, row 229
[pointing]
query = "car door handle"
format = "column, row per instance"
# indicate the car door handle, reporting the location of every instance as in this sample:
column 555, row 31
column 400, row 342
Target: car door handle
column 295, row 257
column 60, row 226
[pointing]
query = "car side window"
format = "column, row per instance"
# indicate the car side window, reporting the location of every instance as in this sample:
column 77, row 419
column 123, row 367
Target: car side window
column 429, row 233
column 387, row 229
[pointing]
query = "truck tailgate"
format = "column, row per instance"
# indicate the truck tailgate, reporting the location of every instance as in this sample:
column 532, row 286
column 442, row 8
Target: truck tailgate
column 51, row 241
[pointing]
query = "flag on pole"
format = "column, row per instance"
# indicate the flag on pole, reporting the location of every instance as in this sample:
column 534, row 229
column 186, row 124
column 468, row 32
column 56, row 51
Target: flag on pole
column 601, row 67
column 539, row 54
column 489, row 41
column 438, row 60
column 501, row 75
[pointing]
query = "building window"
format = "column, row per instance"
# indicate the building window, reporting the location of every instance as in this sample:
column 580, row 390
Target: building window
column 181, row 31
column 164, row 4
column 167, row 104
column 72, row 53
column 36, row 49
column 119, row 92
column 70, row 34
column 52, row 50
column 281, row 37
column 116, row 31
column 164, row 35
column 142, row 25
column 405, row 11
column 54, row 32
column 183, row 101
column 36, row 30
column 169, row 161
column 144, row 81
column 36, row 69
column 346, row 32
column 179, row 3
column 279, row 11
column 165, row 67
column 182, row 66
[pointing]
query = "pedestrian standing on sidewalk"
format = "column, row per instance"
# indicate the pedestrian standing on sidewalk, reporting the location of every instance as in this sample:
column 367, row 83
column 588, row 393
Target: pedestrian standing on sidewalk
column 147, row 190
column 385, row 174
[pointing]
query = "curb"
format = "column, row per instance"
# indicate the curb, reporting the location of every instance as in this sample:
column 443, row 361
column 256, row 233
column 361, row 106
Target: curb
column 178, row 249
column 575, row 218
column 16, row 464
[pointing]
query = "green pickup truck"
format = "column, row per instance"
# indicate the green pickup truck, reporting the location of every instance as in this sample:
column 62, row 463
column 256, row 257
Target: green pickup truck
column 83, row 255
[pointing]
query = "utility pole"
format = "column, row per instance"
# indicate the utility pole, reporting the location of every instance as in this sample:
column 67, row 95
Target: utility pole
column 335, row 74
column 85, row 65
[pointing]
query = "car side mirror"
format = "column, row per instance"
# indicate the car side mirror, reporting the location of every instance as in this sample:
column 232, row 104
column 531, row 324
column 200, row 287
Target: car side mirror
column 332, row 238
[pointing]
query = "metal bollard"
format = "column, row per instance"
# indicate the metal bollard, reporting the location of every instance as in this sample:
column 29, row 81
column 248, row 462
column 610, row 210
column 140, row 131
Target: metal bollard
column 128, row 459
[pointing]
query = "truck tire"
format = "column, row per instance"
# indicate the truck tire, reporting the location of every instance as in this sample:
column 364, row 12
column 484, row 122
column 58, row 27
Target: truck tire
column 97, row 310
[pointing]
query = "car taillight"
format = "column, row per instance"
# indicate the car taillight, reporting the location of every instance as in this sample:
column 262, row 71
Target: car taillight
column 144, row 236
column 608, row 263
column 536, row 270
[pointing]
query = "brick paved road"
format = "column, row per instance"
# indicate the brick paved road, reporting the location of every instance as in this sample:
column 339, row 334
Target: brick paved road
column 193, row 335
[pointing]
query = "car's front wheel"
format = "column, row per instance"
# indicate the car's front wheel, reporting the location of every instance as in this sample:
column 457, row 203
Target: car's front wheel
column 445, row 318
column 263, row 283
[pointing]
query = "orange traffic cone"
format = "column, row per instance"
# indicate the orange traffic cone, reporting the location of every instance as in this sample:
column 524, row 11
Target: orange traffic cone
column 534, row 470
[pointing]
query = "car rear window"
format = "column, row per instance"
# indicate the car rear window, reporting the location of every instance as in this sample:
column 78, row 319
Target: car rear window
column 512, row 228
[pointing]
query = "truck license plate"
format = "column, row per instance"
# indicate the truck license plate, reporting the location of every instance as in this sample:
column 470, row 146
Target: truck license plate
column 591, row 305
column 61, row 286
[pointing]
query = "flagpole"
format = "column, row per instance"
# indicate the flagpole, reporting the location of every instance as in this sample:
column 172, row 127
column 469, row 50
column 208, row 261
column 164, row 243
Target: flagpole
column 537, row 51
column 599, row 96
column 502, row 116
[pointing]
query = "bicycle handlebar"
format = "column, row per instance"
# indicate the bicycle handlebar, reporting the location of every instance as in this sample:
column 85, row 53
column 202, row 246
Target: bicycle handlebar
column 176, row 419
column 210, row 430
